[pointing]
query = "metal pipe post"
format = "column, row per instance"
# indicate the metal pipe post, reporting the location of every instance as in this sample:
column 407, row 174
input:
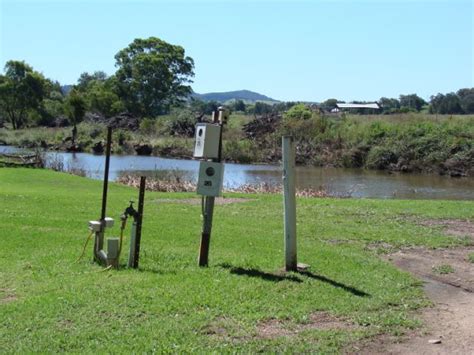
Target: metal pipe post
column 99, row 236
column 106, row 174
column 289, row 191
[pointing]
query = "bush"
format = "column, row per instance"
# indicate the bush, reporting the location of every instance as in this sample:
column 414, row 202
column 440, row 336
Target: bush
column 240, row 151
column 381, row 158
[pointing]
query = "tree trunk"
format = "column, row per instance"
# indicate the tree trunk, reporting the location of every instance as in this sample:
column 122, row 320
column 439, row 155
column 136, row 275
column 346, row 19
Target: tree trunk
column 74, row 134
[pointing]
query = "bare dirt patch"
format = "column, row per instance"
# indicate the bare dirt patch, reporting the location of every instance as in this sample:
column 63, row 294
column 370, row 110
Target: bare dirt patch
column 227, row 328
column 448, row 277
column 197, row 201
column 274, row 328
column 449, row 323
column 7, row 296
column 453, row 227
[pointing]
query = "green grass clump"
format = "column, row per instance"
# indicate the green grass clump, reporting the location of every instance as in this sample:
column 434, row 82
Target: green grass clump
column 470, row 257
column 50, row 303
column 443, row 269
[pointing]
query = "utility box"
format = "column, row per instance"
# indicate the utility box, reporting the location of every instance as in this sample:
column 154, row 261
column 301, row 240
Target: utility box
column 207, row 141
column 211, row 178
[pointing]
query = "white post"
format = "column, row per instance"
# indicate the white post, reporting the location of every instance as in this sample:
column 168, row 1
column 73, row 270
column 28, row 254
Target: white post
column 289, row 201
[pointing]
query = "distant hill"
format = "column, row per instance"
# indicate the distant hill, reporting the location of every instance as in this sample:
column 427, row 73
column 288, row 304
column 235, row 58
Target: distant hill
column 244, row 95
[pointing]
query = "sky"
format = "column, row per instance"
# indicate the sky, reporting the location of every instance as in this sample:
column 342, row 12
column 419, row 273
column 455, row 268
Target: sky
column 288, row 50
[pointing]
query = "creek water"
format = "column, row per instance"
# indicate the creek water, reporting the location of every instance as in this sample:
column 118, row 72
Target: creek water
column 357, row 183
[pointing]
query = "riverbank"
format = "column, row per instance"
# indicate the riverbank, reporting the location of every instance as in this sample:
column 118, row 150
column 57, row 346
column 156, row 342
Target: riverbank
column 406, row 143
column 242, row 302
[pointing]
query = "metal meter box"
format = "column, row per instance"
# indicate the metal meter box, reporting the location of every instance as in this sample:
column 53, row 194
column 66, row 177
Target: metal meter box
column 211, row 177
column 207, row 141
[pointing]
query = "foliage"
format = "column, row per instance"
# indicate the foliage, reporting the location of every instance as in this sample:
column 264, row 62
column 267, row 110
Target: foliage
column 412, row 102
column 443, row 104
column 76, row 106
column 86, row 79
column 238, row 105
column 329, row 104
column 21, row 90
column 181, row 123
column 152, row 76
column 201, row 108
column 453, row 103
column 76, row 109
column 389, row 105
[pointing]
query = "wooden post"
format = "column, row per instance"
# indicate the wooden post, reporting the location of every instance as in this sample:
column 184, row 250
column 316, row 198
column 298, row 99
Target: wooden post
column 289, row 192
column 208, row 212
column 206, row 231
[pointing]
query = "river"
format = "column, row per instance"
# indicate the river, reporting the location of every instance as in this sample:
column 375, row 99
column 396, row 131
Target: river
column 357, row 183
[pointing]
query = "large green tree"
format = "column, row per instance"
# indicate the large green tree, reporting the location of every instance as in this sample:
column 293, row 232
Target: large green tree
column 153, row 75
column 100, row 93
column 21, row 90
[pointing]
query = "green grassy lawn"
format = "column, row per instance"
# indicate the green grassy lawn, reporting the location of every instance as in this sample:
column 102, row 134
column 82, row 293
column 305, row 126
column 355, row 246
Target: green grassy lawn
column 49, row 303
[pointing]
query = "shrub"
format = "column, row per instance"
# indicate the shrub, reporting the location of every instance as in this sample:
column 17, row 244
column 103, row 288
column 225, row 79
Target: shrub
column 381, row 157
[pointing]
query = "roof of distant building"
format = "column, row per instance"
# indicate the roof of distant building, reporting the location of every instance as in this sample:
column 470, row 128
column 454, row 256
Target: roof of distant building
column 371, row 105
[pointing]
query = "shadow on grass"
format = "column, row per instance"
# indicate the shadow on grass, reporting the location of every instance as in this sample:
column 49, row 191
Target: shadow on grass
column 350, row 289
column 250, row 272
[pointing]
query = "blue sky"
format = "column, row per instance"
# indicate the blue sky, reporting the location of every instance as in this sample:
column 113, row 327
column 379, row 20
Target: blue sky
column 289, row 50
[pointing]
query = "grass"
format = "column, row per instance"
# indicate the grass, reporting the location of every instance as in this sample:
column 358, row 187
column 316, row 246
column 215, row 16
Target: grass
column 470, row 257
column 443, row 269
column 49, row 303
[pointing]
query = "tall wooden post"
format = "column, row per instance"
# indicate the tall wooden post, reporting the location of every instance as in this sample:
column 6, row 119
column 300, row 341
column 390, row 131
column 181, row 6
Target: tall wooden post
column 289, row 192
column 208, row 212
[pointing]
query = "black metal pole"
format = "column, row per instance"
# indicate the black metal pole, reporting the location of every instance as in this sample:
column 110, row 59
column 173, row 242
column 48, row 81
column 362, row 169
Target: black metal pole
column 138, row 236
column 106, row 174
column 99, row 236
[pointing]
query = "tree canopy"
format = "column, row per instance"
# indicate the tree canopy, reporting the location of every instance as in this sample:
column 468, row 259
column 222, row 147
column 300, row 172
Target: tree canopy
column 153, row 75
column 21, row 89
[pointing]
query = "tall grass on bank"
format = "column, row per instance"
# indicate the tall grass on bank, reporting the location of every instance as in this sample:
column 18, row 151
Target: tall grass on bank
column 412, row 142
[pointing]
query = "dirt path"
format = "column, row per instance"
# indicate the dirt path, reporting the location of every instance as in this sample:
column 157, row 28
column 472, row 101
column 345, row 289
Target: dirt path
column 450, row 322
column 448, row 277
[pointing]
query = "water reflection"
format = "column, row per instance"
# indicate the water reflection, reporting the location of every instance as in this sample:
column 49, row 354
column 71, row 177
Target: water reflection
column 358, row 182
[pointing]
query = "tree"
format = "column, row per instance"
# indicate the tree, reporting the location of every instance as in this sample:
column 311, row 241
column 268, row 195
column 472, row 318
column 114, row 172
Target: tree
column 389, row 105
column 412, row 102
column 85, row 79
column 466, row 97
column 329, row 104
column 77, row 107
column 239, row 105
column 446, row 104
column 152, row 76
column 21, row 90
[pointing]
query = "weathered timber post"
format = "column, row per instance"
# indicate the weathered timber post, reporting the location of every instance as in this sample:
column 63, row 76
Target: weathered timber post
column 217, row 118
column 289, row 192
